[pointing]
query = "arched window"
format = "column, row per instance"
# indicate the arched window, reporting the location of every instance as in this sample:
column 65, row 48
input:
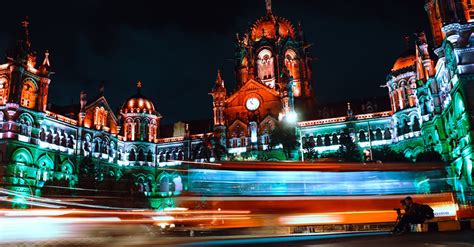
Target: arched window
column 362, row 137
column 42, row 134
column 129, row 129
column 149, row 156
column 3, row 90
column 29, row 93
column 327, row 140
column 96, row 146
column 178, row 184
column 49, row 138
column 141, row 155
column 266, row 67
column 57, row 138
column 416, row 124
column 63, row 140
column 387, row 135
column 293, row 67
column 319, row 140
column 137, row 129
column 100, row 117
column 161, row 157
column 152, row 131
column 87, row 143
column 378, row 134
column 131, row 156
column 70, row 142
column 164, row 184
column 335, row 140
column 146, row 131
column 406, row 128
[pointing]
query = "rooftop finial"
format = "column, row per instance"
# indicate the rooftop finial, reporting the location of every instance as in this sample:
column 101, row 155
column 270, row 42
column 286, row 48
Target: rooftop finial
column 25, row 23
column 139, row 86
column 349, row 110
column 101, row 88
column 268, row 5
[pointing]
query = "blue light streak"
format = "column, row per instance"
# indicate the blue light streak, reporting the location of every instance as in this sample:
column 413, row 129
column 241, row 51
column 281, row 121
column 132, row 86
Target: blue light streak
column 314, row 183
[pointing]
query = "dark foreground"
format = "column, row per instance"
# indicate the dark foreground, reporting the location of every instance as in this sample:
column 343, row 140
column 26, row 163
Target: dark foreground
column 142, row 236
column 462, row 238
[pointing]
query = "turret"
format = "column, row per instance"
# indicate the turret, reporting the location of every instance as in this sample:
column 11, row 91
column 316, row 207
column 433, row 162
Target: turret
column 82, row 111
column 425, row 65
column 219, row 94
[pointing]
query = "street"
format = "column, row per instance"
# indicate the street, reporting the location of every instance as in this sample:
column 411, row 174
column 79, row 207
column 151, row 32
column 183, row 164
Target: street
column 462, row 238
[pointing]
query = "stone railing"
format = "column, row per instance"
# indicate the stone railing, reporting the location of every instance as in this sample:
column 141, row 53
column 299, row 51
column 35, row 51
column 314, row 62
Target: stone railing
column 343, row 119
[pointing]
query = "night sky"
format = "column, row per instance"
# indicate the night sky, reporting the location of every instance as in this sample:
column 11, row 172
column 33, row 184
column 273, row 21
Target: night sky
column 176, row 47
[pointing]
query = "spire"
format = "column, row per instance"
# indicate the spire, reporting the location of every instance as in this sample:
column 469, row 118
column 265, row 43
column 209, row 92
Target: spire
column 268, row 5
column 349, row 110
column 25, row 23
column 139, row 86
column 219, row 81
column 101, row 88
column 407, row 40
column 46, row 59
column 300, row 31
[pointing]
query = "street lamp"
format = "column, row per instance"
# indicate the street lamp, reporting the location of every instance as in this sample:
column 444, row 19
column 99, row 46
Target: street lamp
column 291, row 117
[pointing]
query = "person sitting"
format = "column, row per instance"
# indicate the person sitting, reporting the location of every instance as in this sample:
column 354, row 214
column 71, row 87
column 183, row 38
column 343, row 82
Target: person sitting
column 414, row 214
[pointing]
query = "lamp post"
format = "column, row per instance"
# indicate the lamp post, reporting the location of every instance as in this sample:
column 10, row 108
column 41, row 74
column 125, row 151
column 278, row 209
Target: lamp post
column 370, row 141
column 301, row 146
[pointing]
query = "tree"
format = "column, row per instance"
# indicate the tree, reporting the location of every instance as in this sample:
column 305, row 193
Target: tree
column 216, row 147
column 308, row 147
column 387, row 154
column 90, row 173
column 285, row 135
column 429, row 156
column 348, row 151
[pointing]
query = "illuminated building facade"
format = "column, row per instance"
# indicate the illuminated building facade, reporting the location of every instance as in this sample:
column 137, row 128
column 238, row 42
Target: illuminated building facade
column 41, row 143
column 429, row 95
column 273, row 73
column 430, row 98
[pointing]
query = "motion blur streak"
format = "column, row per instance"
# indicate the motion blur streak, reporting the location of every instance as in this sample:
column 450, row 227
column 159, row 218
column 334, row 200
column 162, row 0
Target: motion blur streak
column 313, row 183
column 42, row 228
column 276, row 240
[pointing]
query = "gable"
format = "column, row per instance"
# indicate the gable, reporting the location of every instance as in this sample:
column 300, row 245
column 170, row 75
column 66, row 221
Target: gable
column 101, row 102
column 252, row 86
column 103, row 119
column 238, row 128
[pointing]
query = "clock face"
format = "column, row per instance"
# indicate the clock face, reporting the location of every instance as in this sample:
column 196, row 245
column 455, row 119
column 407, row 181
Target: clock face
column 252, row 104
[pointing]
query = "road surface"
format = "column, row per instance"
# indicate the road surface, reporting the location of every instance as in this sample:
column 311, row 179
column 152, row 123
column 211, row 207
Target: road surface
column 451, row 239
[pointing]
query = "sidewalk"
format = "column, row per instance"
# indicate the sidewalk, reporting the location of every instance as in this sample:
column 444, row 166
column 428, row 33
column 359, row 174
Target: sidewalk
column 439, row 226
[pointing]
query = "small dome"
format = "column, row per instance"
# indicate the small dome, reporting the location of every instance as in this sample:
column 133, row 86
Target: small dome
column 405, row 60
column 138, row 103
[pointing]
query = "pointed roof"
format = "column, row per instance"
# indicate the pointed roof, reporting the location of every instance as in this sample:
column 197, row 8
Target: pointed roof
column 219, row 80
column 46, row 59
column 25, row 23
column 268, row 6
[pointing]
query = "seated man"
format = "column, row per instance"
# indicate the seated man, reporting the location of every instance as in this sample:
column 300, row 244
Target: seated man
column 412, row 215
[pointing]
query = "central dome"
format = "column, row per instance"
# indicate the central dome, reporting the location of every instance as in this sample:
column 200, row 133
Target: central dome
column 138, row 103
column 265, row 27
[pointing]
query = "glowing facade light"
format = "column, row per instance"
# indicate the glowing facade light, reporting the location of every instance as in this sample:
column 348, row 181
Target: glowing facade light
column 291, row 117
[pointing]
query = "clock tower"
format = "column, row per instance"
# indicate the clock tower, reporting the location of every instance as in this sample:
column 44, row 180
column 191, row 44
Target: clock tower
column 272, row 68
